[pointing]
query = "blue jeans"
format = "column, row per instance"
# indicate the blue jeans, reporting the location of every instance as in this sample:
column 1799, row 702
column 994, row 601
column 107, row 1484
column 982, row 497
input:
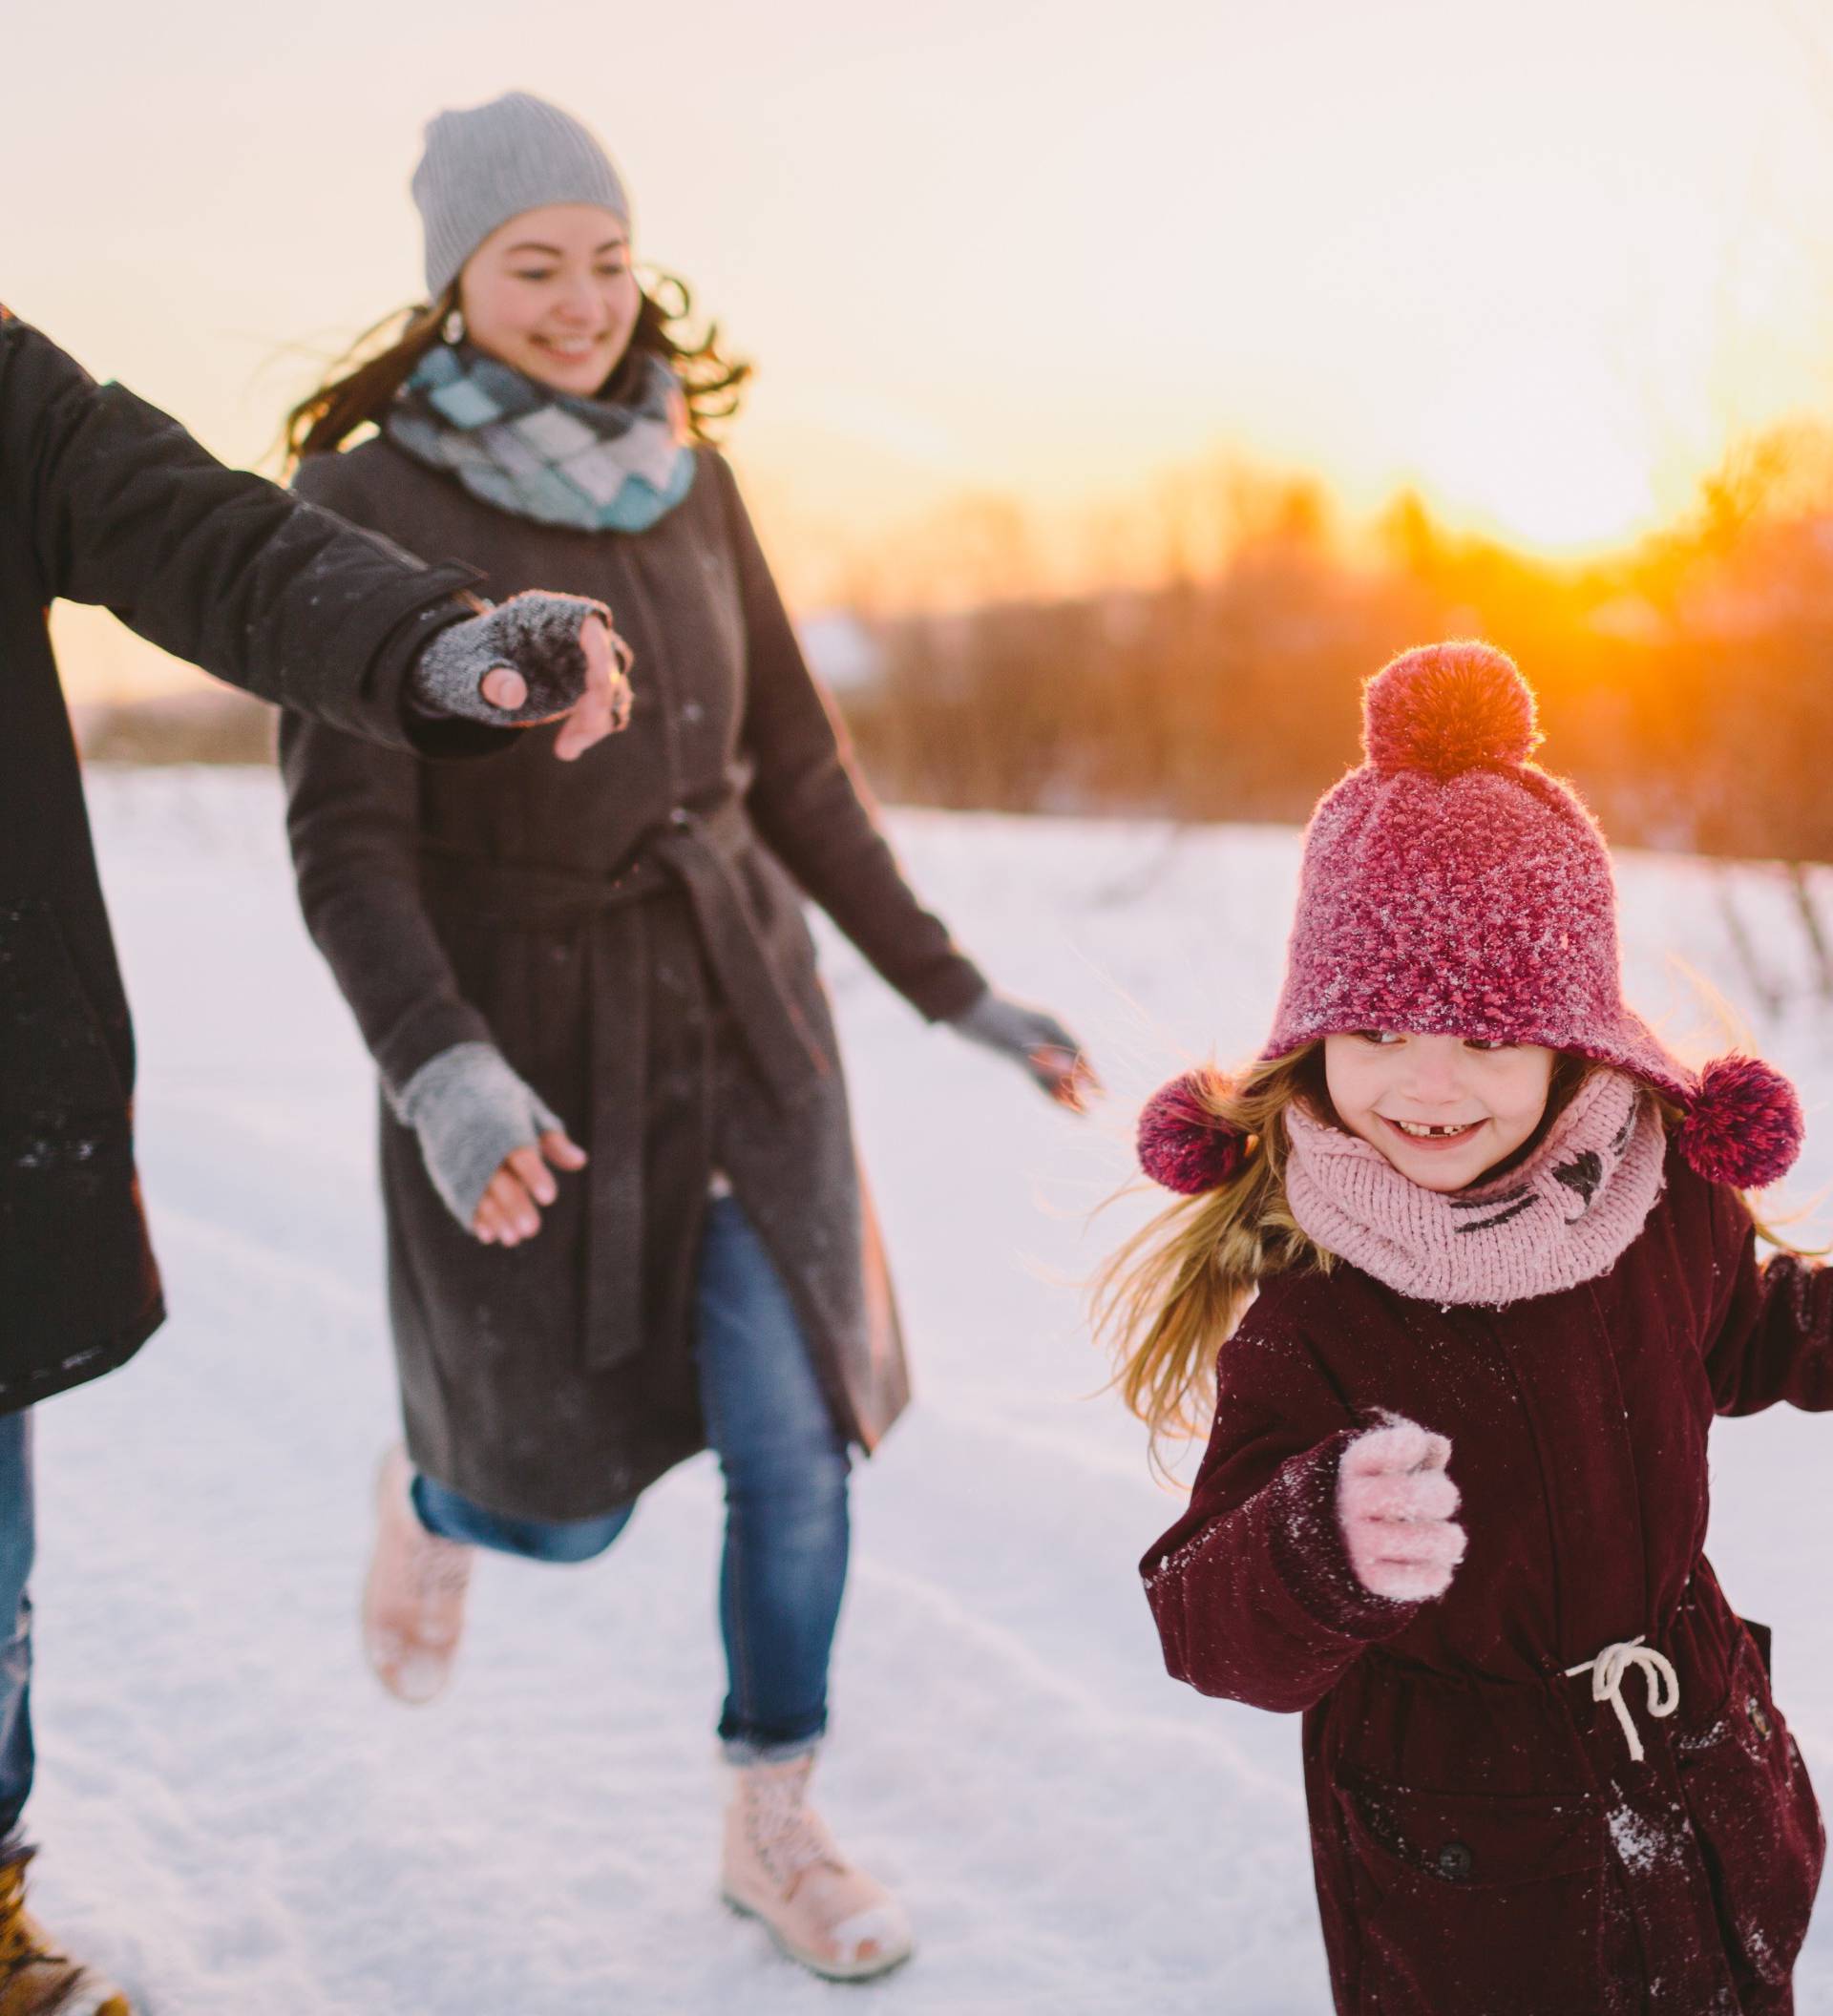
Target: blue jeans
column 16, row 1542
column 786, row 1467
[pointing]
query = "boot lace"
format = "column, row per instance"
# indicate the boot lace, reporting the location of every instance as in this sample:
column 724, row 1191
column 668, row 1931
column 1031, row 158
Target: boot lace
column 789, row 1836
column 440, row 1568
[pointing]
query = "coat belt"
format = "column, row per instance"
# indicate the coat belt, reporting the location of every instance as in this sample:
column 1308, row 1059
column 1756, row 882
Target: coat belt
column 696, row 854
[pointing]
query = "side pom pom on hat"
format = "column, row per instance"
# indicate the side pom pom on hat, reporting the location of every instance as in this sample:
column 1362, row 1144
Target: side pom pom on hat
column 1744, row 1124
column 1447, row 708
column 1183, row 1145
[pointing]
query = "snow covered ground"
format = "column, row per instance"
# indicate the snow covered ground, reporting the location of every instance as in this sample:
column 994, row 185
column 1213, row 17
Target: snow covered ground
column 237, row 1820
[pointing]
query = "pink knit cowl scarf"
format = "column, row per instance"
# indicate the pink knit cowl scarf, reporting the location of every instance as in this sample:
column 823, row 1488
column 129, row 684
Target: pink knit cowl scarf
column 1563, row 1216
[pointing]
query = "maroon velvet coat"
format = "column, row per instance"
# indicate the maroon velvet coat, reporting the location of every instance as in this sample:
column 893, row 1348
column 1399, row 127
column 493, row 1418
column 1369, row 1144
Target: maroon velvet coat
column 1484, row 1844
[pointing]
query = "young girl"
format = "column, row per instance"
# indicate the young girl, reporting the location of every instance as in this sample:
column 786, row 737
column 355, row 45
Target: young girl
column 1454, row 1499
column 620, row 943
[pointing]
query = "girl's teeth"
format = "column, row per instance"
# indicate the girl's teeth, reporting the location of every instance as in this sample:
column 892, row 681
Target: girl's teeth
column 1427, row 1133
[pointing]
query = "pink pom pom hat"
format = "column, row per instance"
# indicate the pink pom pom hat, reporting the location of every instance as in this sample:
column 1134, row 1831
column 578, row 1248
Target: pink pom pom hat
column 1452, row 887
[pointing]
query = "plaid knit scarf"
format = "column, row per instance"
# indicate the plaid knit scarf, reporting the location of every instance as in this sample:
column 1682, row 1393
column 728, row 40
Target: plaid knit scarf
column 599, row 465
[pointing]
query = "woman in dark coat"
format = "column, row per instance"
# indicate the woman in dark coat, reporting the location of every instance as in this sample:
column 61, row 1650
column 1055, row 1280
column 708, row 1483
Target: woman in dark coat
column 622, row 946
column 1455, row 1495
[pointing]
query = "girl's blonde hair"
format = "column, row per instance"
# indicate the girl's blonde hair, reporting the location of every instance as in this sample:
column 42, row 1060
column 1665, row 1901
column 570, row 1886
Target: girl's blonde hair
column 1174, row 1292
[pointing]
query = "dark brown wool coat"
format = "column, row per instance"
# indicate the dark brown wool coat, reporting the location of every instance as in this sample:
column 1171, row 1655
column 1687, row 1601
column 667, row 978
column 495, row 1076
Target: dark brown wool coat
column 105, row 499
column 1484, row 1844
column 628, row 930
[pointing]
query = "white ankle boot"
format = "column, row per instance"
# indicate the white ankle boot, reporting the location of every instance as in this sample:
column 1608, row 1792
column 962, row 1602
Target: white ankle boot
column 782, row 1866
column 414, row 1601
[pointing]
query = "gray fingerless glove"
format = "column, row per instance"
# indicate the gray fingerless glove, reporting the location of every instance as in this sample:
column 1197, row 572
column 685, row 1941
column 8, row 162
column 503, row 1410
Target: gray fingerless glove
column 538, row 633
column 1019, row 1033
column 470, row 1110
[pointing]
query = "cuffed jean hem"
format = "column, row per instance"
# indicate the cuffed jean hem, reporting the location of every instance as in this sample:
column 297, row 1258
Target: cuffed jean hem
column 740, row 1750
column 450, row 1515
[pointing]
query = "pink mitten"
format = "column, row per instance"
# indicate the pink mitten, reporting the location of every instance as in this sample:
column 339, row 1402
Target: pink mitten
column 1395, row 1502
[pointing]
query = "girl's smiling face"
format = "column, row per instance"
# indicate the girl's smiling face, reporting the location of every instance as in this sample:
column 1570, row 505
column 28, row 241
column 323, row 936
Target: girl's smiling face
column 552, row 293
column 1441, row 1108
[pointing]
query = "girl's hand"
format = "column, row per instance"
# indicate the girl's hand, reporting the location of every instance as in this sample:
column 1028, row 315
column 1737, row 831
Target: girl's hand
column 1036, row 1042
column 1394, row 1502
column 506, row 1212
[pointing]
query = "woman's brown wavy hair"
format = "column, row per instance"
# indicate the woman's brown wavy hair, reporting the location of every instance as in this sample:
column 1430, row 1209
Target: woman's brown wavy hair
column 364, row 381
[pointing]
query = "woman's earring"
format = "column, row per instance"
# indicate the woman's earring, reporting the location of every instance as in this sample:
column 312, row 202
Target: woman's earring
column 453, row 328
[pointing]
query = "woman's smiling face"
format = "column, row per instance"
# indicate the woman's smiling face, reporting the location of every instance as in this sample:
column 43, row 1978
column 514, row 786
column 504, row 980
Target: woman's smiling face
column 552, row 293
column 1441, row 1108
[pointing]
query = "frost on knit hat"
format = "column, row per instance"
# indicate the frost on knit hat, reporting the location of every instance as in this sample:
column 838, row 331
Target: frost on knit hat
column 488, row 163
column 1451, row 886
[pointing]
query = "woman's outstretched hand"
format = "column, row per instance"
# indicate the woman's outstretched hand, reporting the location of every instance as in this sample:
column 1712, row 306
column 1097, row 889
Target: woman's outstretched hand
column 509, row 1210
column 489, row 1141
column 1394, row 1502
column 536, row 658
column 1035, row 1041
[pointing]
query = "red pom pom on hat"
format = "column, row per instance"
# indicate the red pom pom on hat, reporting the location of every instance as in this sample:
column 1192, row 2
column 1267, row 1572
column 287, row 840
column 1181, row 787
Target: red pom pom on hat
column 1182, row 1144
column 1447, row 708
column 1744, row 1124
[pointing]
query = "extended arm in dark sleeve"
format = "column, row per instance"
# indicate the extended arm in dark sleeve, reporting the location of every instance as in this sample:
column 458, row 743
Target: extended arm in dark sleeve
column 813, row 810
column 352, row 817
column 121, row 507
column 1251, row 1590
column 1774, row 1341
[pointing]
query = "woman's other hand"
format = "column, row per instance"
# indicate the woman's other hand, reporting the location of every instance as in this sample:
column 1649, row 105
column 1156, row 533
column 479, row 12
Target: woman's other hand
column 509, row 1211
column 487, row 1141
column 1035, row 1041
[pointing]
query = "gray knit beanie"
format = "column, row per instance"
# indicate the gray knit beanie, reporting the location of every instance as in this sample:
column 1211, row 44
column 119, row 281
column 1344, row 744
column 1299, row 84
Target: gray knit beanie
column 489, row 163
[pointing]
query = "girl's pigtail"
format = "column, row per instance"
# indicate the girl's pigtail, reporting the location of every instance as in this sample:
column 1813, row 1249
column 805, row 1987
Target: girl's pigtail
column 1163, row 1304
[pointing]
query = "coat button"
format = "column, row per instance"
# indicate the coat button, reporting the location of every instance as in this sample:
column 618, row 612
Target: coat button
column 1455, row 1861
column 1754, row 1709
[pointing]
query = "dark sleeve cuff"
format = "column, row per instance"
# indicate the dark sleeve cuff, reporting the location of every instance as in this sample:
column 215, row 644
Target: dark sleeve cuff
column 1306, row 1546
column 436, row 737
column 423, row 1034
column 1260, row 1604
column 948, row 989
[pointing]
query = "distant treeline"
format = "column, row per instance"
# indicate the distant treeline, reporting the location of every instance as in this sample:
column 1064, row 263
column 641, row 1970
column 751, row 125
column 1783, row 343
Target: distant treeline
column 1687, row 687
column 209, row 723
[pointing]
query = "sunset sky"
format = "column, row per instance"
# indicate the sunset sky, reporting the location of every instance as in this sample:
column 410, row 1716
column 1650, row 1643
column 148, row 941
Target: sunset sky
column 1543, row 263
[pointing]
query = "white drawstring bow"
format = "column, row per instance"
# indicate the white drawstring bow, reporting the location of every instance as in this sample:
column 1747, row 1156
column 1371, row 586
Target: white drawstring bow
column 1608, row 1670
